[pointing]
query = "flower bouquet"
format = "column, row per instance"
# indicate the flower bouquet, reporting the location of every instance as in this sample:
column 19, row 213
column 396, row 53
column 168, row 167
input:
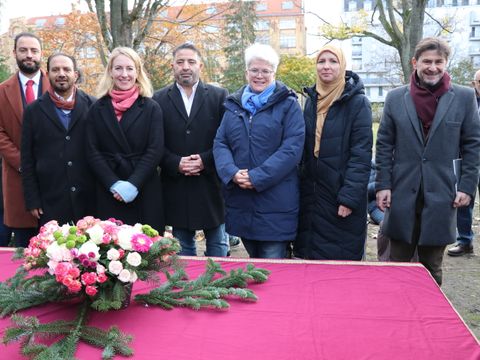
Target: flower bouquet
column 95, row 263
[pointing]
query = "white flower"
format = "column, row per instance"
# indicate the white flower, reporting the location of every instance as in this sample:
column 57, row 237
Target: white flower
column 133, row 276
column 115, row 267
column 100, row 268
column 113, row 254
column 124, row 275
column 51, row 266
column 138, row 227
column 58, row 253
column 95, row 233
column 134, row 259
column 125, row 237
column 90, row 248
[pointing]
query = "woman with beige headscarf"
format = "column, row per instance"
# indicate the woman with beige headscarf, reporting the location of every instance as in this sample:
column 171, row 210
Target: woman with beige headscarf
column 336, row 163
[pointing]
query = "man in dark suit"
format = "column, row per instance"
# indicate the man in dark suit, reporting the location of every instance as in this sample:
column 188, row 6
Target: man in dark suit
column 192, row 193
column 425, row 126
column 15, row 94
column 57, row 182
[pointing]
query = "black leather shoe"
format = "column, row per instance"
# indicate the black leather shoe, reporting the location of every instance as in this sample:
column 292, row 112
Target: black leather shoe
column 460, row 249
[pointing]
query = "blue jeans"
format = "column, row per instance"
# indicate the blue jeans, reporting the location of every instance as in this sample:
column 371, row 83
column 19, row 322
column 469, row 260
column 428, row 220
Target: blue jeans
column 464, row 224
column 266, row 249
column 217, row 243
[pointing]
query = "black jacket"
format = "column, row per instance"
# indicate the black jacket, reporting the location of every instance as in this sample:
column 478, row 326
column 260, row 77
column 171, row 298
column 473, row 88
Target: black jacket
column 55, row 173
column 130, row 149
column 193, row 202
column 339, row 176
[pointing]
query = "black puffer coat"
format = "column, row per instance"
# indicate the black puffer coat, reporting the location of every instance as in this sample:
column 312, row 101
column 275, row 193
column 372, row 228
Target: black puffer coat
column 338, row 177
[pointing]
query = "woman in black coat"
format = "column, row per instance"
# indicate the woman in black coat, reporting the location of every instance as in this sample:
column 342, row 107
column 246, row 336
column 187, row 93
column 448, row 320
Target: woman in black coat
column 336, row 163
column 125, row 143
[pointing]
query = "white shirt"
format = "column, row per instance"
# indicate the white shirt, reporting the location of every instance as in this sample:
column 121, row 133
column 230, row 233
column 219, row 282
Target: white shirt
column 36, row 82
column 187, row 101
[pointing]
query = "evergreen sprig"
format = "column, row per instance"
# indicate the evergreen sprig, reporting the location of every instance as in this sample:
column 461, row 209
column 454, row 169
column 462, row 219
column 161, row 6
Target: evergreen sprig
column 206, row 290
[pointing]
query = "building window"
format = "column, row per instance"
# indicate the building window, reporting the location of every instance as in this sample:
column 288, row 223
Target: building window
column 286, row 24
column 60, row 21
column 357, row 50
column 287, row 5
column 380, row 91
column 261, row 6
column 367, row 5
column 356, row 64
column 262, row 25
column 352, row 6
column 367, row 90
column 288, row 41
column 40, row 22
column 263, row 39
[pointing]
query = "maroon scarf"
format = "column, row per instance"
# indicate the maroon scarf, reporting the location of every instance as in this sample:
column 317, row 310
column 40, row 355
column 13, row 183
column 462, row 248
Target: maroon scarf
column 122, row 100
column 426, row 99
column 62, row 104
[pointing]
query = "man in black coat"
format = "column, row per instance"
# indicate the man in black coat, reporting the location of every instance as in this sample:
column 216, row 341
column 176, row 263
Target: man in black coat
column 57, row 181
column 192, row 193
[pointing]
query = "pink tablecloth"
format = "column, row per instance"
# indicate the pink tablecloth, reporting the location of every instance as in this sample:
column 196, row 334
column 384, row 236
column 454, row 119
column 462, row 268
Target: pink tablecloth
column 305, row 311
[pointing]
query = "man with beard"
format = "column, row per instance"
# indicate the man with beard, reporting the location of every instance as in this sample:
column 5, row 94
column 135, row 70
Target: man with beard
column 192, row 193
column 15, row 94
column 426, row 127
column 57, row 182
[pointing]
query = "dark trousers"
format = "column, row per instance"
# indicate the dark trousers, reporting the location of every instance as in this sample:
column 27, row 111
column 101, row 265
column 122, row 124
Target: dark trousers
column 22, row 236
column 429, row 256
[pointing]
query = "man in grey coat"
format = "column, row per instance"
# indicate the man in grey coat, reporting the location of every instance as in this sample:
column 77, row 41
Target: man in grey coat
column 427, row 126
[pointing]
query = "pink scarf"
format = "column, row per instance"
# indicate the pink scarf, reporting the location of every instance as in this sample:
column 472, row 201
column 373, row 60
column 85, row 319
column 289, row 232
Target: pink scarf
column 122, row 100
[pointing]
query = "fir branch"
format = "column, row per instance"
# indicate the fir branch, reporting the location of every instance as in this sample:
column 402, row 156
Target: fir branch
column 205, row 291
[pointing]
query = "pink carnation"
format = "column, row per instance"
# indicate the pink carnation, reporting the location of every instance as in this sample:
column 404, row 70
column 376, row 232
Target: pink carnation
column 75, row 286
column 101, row 278
column 89, row 278
column 74, row 272
column 91, row 290
column 141, row 242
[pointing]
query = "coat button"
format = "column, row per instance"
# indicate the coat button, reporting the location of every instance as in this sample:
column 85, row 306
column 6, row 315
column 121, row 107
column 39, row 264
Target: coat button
column 67, row 137
column 73, row 189
column 69, row 163
column 188, row 132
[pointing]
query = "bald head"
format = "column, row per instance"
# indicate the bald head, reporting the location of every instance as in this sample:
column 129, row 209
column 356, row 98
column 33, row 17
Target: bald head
column 476, row 82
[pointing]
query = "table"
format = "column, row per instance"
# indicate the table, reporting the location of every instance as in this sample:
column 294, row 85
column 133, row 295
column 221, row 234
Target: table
column 306, row 310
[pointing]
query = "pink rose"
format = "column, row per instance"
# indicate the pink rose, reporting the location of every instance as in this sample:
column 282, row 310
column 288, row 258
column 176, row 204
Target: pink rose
column 101, row 278
column 75, row 286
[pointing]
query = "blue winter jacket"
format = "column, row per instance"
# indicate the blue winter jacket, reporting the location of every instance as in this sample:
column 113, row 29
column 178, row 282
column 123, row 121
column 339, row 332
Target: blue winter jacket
column 269, row 144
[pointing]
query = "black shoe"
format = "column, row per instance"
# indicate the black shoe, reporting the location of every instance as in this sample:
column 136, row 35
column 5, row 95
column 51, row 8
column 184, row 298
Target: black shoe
column 234, row 241
column 460, row 249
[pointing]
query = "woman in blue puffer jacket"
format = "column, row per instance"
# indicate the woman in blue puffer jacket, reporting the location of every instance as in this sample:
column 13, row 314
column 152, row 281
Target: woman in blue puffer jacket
column 257, row 149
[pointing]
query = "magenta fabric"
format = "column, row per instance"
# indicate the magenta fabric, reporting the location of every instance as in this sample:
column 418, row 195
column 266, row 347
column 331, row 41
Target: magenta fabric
column 305, row 311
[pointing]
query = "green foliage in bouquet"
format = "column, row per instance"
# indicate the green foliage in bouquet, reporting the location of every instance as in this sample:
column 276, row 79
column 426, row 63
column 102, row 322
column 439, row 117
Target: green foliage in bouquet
column 96, row 263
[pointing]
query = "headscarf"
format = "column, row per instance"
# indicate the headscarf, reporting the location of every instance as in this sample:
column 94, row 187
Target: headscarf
column 328, row 93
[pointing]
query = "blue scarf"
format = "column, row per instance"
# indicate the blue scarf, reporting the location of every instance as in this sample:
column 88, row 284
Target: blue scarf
column 252, row 101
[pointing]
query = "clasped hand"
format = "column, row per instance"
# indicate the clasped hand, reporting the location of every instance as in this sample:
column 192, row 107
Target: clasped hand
column 191, row 165
column 242, row 179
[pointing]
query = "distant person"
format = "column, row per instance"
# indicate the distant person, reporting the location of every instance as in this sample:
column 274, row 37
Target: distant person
column 257, row 149
column 15, row 94
column 191, row 188
column 425, row 126
column 125, row 143
column 336, row 163
column 57, row 181
column 464, row 244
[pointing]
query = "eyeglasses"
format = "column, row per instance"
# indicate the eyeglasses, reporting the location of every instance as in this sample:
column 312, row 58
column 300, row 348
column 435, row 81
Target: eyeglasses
column 264, row 72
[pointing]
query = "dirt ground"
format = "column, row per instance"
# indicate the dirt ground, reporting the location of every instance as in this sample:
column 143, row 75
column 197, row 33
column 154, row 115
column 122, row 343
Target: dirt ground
column 461, row 275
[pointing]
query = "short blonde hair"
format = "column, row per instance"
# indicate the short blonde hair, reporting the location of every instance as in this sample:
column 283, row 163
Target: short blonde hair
column 143, row 82
column 261, row 52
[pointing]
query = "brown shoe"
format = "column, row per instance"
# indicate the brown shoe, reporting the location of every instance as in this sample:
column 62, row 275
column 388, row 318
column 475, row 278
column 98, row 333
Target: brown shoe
column 460, row 249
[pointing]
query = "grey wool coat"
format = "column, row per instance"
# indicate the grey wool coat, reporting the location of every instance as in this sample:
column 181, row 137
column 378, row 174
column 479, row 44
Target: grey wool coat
column 406, row 164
